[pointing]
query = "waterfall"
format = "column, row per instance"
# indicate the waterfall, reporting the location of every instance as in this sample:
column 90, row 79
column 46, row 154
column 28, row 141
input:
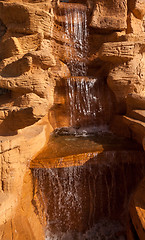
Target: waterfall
column 86, row 197
column 84, row 100
column 86, row 201
column 75, row 27
column 81, row 96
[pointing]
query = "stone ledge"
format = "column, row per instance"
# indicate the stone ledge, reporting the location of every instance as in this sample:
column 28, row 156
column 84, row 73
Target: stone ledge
column 137, row 114
column 16, row 153
column 137, row 127
column 120, row 51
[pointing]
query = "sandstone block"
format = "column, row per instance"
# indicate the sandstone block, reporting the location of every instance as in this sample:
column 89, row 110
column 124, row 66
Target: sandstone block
column 137, row 7
column 135, row 101
column 115, row 19
column 117, row 51
column 26, row 110
column 20, row 45
column 22, row 74
column 17, row 68
column 23, row 18
column 39, row 105
column 134, row 25
column 127, row 78
column 10, row 47
column 120, row 80
column 16, row 152
column 42, row 58
column 137, row 127
column 30, row 83
column 59, row 72
column 96, row 41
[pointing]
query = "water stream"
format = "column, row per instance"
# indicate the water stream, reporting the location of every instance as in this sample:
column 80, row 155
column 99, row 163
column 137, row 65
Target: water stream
column 84, row 100
column 76, row 29
column 85, row 182
column 87, row 197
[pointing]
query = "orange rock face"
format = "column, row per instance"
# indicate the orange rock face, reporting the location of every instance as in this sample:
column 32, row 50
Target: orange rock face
column 105, row 19
column 46, row 46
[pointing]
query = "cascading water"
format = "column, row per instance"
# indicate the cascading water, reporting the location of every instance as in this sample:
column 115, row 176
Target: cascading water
column 87, row 200
column 75, row 27
column 84, row 102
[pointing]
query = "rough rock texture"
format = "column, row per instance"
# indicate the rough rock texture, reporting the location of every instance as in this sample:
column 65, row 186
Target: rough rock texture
column 35, row 54
column 16, row 208
column 25, row 223
column 137, row 7
column 115, row 19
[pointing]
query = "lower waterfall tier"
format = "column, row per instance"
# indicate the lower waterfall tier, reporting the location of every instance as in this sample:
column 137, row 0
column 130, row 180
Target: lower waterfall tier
column 85, row 184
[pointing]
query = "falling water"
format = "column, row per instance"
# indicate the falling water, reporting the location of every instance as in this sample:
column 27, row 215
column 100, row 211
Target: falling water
column 76, row 30
column 84, row 100
column 81, row 200
column 81, row 96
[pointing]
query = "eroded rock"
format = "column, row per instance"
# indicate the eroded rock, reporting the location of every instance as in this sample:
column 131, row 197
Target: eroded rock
column 115, row 19
column 137, row 7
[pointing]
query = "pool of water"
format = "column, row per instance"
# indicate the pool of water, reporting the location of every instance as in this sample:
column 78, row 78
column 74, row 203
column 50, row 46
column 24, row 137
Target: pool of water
column 74, row 150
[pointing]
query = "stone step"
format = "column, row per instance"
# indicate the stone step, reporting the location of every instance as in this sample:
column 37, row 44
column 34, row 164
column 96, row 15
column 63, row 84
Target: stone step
column 137, row 114
column 68, row 150
column 68, row 161
column 137, row 127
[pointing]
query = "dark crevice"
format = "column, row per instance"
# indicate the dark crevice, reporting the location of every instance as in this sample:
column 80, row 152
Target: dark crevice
column 3, row 29
column 4, row 91
column 133, row 230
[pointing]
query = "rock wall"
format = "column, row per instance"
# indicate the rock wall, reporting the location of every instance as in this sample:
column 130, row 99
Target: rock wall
column 34, row 65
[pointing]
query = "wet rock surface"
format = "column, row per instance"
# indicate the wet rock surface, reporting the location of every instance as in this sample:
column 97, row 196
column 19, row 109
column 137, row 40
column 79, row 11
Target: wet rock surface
column 41, row 49
column 79, row 189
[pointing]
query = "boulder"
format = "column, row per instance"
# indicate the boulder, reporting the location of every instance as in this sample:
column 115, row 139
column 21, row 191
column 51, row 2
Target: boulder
column 107, row 20
column 134, row 25
column 117, row 51
column 21, row 74
column 20, row 45
column 25, row 111
column 137, row 7
column 25, row 19
column 127, row 78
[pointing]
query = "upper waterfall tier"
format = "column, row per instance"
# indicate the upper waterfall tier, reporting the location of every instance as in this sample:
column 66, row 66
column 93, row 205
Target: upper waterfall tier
column 74, row 21
column 62, row 7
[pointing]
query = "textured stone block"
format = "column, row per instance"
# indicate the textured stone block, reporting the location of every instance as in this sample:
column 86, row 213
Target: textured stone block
column 137, row 7
column 110, row 15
